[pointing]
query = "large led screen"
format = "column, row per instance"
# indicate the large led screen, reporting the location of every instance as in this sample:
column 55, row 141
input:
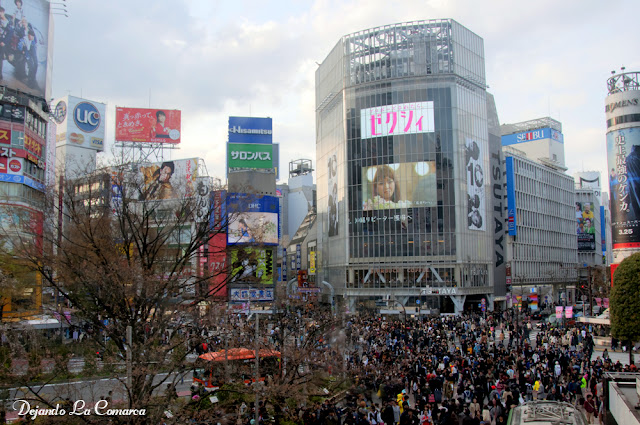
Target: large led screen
column 252, row 265
column 252, row 219
column 404, row 185
column 623, row 154
column 253, row 227
column 396, row 120
column 24, row 28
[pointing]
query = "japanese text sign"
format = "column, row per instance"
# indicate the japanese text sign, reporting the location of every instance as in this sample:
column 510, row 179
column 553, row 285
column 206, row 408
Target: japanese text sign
column 396, row 120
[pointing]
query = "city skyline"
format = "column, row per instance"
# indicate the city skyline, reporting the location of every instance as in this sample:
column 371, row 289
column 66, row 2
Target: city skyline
column 213, row 60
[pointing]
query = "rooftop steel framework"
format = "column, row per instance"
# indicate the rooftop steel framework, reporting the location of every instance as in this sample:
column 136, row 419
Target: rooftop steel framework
column 624, row 82
column 535, row 124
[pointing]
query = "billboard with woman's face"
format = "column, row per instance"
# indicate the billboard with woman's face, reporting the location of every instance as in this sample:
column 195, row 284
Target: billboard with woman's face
column 405, row 185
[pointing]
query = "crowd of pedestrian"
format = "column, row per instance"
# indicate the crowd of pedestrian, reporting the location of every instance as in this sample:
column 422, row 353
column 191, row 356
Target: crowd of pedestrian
column 463, row 370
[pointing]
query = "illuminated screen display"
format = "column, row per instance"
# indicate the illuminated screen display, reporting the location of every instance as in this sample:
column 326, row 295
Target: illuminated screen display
column 405, row 185
column 253, row 227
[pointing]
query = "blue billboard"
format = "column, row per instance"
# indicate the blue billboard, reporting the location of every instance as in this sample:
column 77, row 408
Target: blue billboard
column 252, row 219
column 533, row 135
column 511, row 198
column 250, row 130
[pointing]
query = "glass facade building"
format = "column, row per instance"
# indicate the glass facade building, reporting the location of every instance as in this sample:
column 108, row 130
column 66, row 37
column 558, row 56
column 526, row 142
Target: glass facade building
column 404, row 143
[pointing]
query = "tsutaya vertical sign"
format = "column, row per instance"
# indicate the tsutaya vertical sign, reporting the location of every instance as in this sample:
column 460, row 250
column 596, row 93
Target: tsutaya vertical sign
column 398, row 119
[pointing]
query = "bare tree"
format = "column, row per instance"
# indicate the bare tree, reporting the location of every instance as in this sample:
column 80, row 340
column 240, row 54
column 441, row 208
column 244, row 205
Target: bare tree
column 122, row 259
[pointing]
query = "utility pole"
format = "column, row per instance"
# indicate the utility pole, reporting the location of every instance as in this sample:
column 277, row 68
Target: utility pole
column 226, row 345
column 590, row 293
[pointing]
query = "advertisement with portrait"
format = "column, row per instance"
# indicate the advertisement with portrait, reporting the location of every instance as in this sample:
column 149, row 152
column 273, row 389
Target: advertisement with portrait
column 474, row 154
column 623, row 154
column 332, row 211
column 250, row 130
column 251, row 265
column 252, row 219
column 24, row 30
column 405, row 185
column 253, row 227
column 80, row 122
column 586, row 228
column 168, row 179
column 398, row 119
column 148, row 125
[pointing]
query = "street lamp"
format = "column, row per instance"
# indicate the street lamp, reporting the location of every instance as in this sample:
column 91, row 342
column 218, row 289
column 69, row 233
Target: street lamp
column 403, row 309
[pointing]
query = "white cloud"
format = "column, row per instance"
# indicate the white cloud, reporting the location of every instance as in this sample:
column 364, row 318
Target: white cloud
column 212, row 59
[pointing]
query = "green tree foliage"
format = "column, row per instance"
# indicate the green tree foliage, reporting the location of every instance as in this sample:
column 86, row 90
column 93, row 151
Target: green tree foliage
column 625, row 300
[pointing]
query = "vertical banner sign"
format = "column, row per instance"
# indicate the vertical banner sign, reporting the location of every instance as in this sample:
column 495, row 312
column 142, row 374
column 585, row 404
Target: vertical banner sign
column 603, row 232
column 475, row 185
column 512, row 222
column 623, row 154
column 332, row 211
column 559, row 312
column 568, row 312
column 284, row 264
column 586, row 228
column 312, row 262
column 298, row 257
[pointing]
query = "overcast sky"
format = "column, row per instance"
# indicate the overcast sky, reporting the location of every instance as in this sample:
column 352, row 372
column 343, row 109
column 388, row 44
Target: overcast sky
column 212, row 59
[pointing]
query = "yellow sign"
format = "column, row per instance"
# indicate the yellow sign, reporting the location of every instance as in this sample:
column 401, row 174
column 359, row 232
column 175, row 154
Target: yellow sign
column 312, row 262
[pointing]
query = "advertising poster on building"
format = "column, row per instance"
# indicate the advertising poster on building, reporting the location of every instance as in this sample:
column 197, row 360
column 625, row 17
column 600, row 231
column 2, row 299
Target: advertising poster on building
column 218, row 218
column 148, row 125
column 218, row 267
column 203, row 198
column 332, row 211
column 249, row 156
column 250, row 130
column 252, row 265
column 405, row 185
column 80, row 122
column 475, row 185
column 252, row 219
column 168, row 179
column 26, row 38
column 396, row 120
column 623, row 154
column 586, row 229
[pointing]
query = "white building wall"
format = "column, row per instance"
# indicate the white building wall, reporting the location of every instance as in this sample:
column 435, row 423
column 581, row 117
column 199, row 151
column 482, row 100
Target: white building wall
column 545, row 250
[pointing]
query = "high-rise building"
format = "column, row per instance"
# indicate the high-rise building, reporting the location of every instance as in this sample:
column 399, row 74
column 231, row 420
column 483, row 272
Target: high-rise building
column 622, row 109
column 25, row 148
column 408, row 153
column 542, row 243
